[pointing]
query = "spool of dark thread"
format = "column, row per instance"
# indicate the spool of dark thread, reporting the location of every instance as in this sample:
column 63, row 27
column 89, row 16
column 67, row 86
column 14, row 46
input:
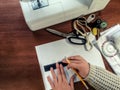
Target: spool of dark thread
column 97, row 23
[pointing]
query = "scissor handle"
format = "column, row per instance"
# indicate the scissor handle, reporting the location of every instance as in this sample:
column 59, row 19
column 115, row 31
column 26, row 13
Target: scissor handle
column 74, row 39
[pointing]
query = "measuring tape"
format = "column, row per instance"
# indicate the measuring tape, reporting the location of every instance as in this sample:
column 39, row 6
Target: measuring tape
column 109, row 49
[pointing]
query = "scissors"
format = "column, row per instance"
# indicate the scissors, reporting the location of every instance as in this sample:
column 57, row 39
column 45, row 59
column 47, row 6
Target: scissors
column 80, row 25
column 72, row 37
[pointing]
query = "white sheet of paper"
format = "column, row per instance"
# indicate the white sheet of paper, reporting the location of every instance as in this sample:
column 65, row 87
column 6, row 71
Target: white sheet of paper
column 55, row 51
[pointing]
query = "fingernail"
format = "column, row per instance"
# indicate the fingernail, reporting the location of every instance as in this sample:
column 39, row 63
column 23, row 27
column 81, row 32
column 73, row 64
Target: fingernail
column 74, row 76
column 68, row 67
column 48, row 77
column 51, row 68
column 63, row 60
column 61, row 65
column 71, row 57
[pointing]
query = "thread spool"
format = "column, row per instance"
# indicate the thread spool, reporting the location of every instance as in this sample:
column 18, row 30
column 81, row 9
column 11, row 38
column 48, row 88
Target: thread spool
column 96, row 23
column 103, row 25
column 100, row 24
column 94, row 31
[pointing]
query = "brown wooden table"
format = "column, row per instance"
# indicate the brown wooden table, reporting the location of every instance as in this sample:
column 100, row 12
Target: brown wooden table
column 19, row 68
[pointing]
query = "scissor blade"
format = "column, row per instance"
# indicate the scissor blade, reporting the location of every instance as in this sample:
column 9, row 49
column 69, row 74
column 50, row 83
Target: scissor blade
column 57, row 32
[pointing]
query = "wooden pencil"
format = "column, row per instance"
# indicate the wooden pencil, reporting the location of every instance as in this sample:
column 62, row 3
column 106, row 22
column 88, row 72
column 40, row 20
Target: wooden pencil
column 78, row 75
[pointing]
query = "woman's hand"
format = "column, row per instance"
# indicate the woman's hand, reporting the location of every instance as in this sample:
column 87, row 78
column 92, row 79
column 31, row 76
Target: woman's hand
column 60, row 82
column 78, row 63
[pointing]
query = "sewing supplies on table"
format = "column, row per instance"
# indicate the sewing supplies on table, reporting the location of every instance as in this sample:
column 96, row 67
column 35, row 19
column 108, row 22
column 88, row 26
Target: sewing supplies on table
column 80, row 25
column 98, row 23
column 80, row 33
column 108, row 48
column 78, row 75
column 94, row 31
column 97, row 26
column 109, row 45
column 72, row 37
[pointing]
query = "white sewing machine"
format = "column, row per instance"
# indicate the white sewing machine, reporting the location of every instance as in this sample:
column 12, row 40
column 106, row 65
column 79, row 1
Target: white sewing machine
column 39, row 14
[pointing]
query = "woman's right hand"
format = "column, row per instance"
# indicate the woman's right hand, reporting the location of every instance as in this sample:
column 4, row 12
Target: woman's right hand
column 78, row 63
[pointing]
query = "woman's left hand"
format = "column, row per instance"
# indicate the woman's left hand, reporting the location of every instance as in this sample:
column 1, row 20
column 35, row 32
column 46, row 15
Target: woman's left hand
column 60, row 82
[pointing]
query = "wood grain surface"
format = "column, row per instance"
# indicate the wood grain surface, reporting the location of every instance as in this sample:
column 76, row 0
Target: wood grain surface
column 19, row 68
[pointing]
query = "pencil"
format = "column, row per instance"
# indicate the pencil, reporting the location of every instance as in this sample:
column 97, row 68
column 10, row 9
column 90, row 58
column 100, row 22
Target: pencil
column 78, row 76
